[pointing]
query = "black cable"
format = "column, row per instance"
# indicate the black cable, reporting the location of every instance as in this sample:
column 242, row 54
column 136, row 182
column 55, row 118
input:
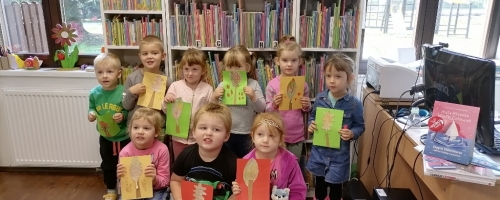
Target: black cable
column 392, row 129
column 375, row 153
column 371, row 145
column 372, row 92
column 415, row 176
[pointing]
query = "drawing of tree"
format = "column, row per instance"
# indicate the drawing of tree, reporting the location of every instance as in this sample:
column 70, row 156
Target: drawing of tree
column 135, row 171
column 250, row 174
column 177, row 108
column 104, row 126
column 155, row 86
column 291, row 89
column 452, row 131
column 199, row 192
column 327, row 125
column 235, row 81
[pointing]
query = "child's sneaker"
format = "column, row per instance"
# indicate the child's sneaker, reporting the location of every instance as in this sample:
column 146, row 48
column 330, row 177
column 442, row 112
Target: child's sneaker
column 109, row 196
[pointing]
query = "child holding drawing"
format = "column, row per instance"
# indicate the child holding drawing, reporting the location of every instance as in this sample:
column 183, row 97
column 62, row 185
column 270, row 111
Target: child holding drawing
column 268, row 138
column 208, row 160
column 105, row 100
column 329, row 165
column 289, row 58
column 239, row 59
column 192, row 89
column 151, row 53
column 144, row 128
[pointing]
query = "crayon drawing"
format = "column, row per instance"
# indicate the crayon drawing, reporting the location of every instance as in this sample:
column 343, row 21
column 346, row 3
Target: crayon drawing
column 234, row 82
column 328, row 123
column 178, row 118
column 156, row 85
column 106, row 126
column 292, row 89
column 134, row 184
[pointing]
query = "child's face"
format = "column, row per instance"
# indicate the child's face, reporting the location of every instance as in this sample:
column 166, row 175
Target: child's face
column 151, row 56
column 210, row 132
column 107, row 76
column 336, row 81
column 192, row 73
column 264, row 140
column 289, row 63
column 142, row 133
column 241, row 67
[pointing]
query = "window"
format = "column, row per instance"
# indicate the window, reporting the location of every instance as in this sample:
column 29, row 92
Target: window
column 26, row 27
column 462, row 24
column 389, row 25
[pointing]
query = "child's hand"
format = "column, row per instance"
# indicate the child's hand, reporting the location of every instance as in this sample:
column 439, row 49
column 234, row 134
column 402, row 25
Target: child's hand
column 346, row 134
column 137, row 89
column 169, row 98
column 305, row 102
column 91, row 116
column 312, row 127
column 250, row 92
column 219, row 91
column 236, row 188
column 278, row 98
column 118, row 117
column 150, row 171
column 120, row 170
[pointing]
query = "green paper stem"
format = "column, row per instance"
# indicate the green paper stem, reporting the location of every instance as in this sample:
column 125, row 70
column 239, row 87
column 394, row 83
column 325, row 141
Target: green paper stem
column 70, row 59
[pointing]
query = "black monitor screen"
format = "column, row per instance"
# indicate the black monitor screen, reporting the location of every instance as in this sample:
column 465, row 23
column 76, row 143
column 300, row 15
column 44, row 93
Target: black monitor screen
column 462, row 79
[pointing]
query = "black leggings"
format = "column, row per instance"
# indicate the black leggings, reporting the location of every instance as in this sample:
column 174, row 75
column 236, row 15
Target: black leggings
column 322, row 186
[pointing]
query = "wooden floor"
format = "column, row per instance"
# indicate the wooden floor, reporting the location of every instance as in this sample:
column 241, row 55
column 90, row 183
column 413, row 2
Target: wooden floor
column 51, row 185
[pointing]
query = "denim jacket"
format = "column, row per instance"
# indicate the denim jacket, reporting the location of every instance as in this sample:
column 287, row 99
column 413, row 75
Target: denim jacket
column 353, row 118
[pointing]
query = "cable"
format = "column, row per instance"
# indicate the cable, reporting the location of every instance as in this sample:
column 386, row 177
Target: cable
column 415, row 176
column 372, row 92
column 375, row 154
column 371, row 145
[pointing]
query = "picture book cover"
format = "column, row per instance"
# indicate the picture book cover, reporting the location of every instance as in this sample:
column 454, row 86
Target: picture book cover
column 438, row 164
column 328, row 123
column 106, row 126
column 254, row 178
column 196, row 191
column 178, row 118
column 156, row 85
column 135, row 185
column 234, row 82
column 292, row 89
column 452, row 132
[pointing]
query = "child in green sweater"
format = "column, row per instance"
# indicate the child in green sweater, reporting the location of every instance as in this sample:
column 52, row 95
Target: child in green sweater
column 105, row 102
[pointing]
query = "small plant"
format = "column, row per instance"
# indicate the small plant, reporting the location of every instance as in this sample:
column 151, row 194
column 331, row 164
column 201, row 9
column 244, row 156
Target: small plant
column 64, row 34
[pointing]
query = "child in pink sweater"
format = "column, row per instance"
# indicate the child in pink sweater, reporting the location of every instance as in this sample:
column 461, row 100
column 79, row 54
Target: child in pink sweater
column 144, row 129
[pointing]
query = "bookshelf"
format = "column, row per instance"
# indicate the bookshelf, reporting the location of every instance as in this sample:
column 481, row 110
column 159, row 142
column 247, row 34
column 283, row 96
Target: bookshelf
column 126, row 22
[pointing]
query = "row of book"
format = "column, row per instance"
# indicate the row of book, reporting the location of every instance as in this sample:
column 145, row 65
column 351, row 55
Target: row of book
column 267, row 69
column 132, row 5
column 125, row 31
column 327, row 28
column 208, row 25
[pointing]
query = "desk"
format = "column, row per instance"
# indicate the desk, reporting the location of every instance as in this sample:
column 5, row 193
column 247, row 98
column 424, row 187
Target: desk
column 402, row 174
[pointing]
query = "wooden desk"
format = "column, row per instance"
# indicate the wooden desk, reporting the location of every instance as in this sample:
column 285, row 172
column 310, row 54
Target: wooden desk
column 384, row 102
column 402, row 174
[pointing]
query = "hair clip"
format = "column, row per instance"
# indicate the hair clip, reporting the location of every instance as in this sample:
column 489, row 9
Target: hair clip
column 269, row 122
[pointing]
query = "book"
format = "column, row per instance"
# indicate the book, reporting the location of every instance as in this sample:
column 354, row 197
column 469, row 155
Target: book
column 452, row 132
column 485, row 161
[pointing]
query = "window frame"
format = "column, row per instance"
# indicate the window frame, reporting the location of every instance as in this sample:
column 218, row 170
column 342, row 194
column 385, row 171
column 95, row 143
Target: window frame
column 52, row 14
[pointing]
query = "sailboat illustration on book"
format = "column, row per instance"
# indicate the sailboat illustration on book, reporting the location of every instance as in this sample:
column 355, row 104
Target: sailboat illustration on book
column 451, row 138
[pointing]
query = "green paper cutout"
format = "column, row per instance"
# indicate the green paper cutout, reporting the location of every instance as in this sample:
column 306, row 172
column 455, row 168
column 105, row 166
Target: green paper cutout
column 234, row 82
column 328, row 124
column 106, row 126
column 178, row 118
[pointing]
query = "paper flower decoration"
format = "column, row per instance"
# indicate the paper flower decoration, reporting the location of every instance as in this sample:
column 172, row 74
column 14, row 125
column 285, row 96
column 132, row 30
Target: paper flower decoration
column 64, row 34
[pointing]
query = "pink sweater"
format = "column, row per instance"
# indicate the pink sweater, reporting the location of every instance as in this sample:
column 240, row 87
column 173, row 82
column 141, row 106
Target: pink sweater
column 160, row 158
column 198, row 98
column 293, row 120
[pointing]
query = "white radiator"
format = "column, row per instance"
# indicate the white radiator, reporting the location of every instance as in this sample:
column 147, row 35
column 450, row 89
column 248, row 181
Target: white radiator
column 49, row 127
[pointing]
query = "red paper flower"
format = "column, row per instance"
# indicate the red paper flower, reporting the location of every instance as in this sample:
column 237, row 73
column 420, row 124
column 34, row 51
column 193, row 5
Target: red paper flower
column 64, row 34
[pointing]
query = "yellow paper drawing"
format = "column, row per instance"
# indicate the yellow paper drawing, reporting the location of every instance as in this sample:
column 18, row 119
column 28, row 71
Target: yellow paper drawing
column 156, row 85
column 292, row 89
column 134, row 184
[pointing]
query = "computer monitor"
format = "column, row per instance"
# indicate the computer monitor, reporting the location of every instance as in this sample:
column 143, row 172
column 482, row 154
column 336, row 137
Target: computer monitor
column 462, row 79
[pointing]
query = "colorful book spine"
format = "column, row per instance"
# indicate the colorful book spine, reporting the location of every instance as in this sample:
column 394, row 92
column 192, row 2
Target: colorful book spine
column 153, row 5
column 129, row 32
column 214, row 27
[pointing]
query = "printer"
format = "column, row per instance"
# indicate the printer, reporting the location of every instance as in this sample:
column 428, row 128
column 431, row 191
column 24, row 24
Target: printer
column 390, row 78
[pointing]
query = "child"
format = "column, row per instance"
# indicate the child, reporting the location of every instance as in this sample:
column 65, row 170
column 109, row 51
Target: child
column 144, row 128
column 191, row 88
column 208, row 160
column 151, row 53
column 239, row 59
column 331, row 166
column 268, row 139
column 288, row 59
column 107, row 98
